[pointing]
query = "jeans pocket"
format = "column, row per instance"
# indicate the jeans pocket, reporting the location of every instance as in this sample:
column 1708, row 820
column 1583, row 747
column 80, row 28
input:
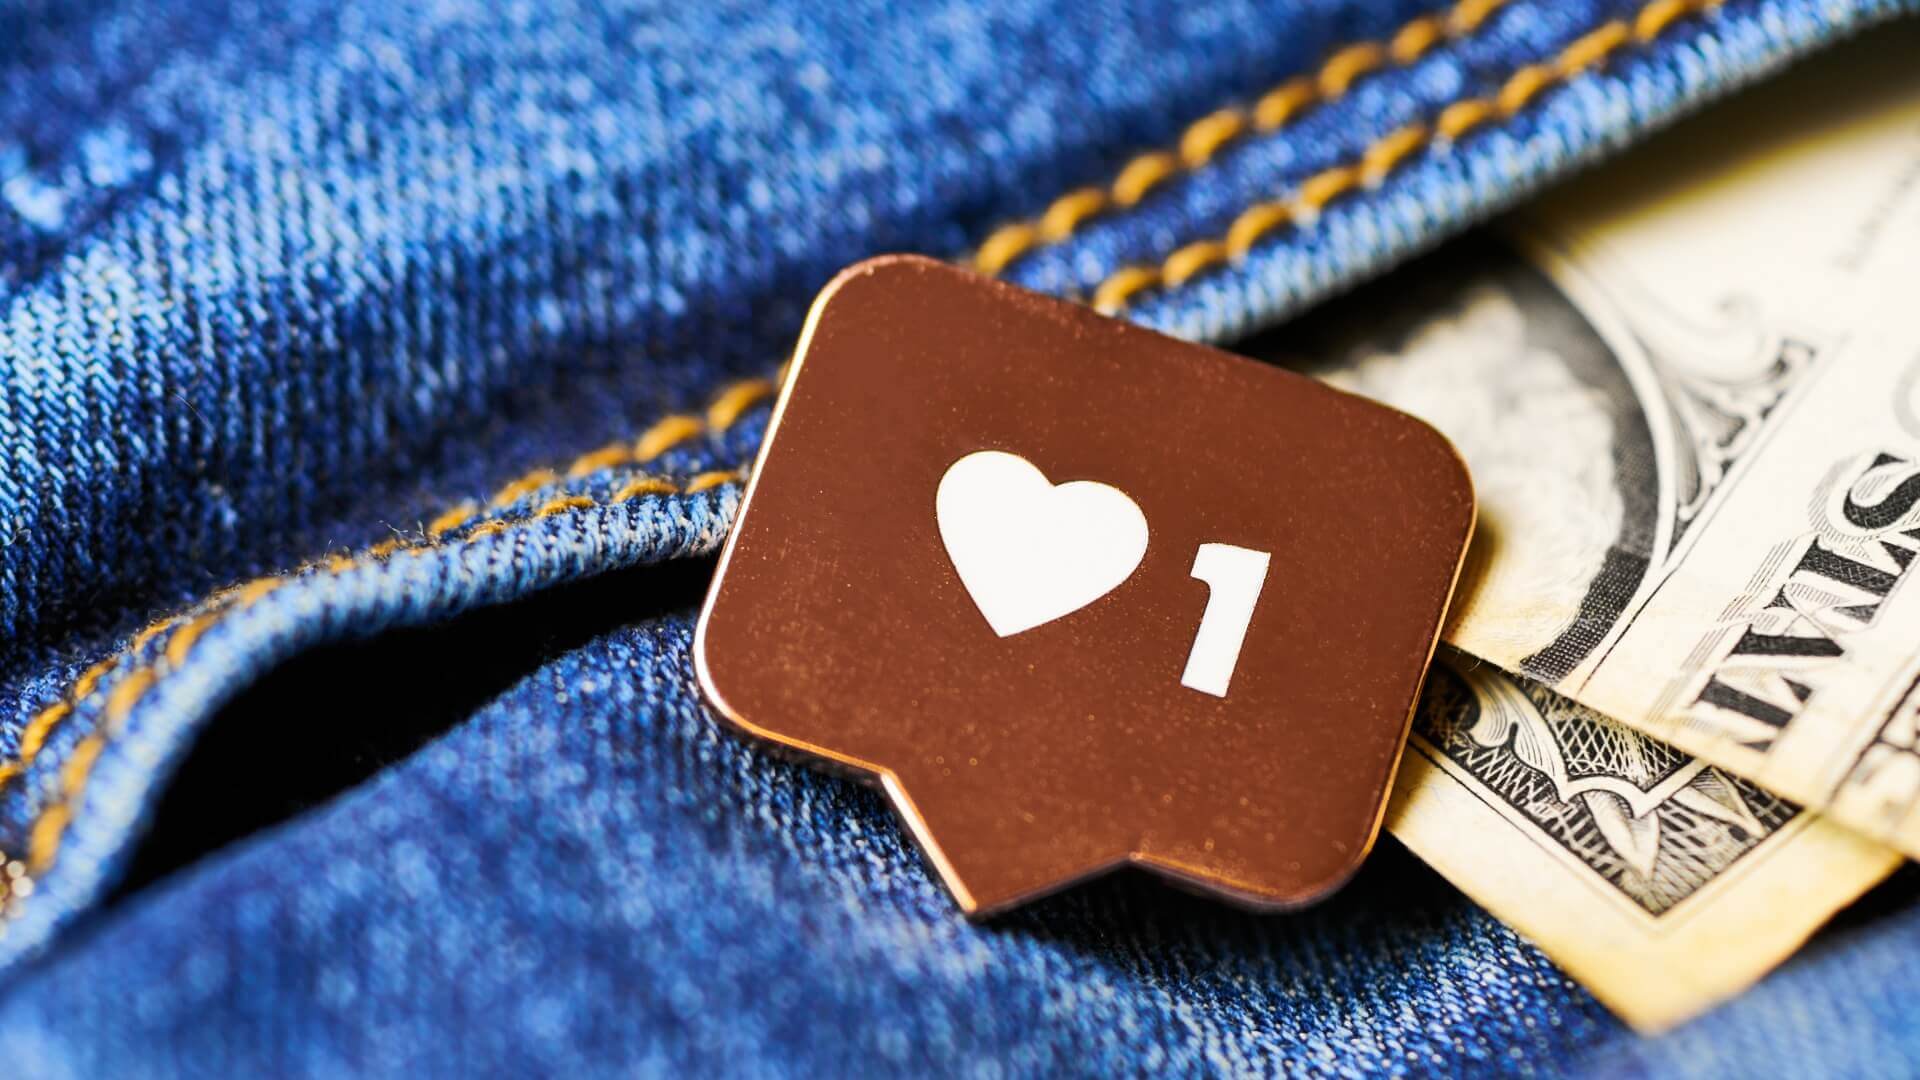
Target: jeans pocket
column 1268, row 201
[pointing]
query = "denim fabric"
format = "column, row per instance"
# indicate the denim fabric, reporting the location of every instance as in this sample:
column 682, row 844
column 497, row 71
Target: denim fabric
column 592, row 872
column 284, row 284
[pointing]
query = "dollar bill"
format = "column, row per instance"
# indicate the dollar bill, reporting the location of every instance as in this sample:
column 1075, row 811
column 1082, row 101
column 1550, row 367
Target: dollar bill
column 1775, row 629
column 1689, row 393
column 1688, row 387
column 1662, row 883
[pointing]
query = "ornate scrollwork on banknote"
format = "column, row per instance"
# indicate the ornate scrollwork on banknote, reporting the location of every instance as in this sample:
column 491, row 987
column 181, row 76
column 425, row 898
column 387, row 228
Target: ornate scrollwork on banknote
column 1661, row 882
column 1688, row 387
column 1656, row 824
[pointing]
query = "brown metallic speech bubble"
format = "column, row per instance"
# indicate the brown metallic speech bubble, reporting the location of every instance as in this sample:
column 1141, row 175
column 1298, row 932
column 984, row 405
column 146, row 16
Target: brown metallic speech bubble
column 1080, row 594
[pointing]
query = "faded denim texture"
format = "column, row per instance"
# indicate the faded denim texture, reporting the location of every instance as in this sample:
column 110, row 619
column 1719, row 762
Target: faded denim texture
column 281, row 286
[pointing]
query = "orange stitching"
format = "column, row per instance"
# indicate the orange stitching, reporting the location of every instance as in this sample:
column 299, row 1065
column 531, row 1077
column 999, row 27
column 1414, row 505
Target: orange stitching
column 252, row 591
column 1463, row 116
column 130, row 690
column 1592, row 48
column 452, row 519
column 707, row 481
column 730, row 403
column 90, row 678
column 34, row 737
column 595, row 460
column 1208, row 134
column 42, row 725
column 45, row 835
column 77, row 767
column 1325, row 186
column 1254, row 223
column 1132, row 185
column 1347, row 65
column 646, row 485
column 43, row 842
column 515, row 490
column 1284, row 102
column 1204, row 138
column 1067, row 212
column 1523, row 85
column 1415, row 38
column 1467, row 16
column 182, row 640
column 562, row 505
column 1273, row 110
column 666, row 435
column 1382, row 156
column 147, row 633
column 1009, row 242
column 1192, row 259
column 1655, row 17
column 1113, row 293
column 1394, row 149
column 49, row 826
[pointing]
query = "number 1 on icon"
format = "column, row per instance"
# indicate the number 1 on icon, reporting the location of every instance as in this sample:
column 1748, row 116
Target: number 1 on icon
column 1234, row 576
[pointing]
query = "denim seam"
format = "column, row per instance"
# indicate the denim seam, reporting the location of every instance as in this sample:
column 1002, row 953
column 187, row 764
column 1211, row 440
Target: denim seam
column 1206, row 137
column 1463, row 116
column 728, row 406
column 45, row 831
column 1196, row 148
column 1385, row 155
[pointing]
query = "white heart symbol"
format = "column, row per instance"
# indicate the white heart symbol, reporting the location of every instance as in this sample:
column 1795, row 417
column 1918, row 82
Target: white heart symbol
column 1029, row 551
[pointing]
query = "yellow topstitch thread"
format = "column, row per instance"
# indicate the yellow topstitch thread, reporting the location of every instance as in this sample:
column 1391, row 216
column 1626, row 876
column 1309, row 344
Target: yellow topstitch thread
column 187, row 629
column 515, row 490
column 646, row 485
column 44, row 836
column 563, row 504
column 707, row 481
column 736, row 399
column 1204, row 138
column 663, row 435
column 452, row 519
column 1390, row 151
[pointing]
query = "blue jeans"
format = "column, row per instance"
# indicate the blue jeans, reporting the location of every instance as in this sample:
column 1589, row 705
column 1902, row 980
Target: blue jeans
column 348, row 317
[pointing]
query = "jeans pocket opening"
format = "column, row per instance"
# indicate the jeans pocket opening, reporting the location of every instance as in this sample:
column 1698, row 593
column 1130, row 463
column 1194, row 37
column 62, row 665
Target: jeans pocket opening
column 334, row 717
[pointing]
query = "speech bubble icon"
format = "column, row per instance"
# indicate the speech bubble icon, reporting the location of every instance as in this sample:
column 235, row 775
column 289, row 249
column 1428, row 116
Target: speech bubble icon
column 1081, row 595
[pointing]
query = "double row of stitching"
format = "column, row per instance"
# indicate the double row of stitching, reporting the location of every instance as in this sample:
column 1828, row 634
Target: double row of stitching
column 666, row 434
column 183, row 632
column 1207, row 136
column 1389, row 153
column 1203, row 140
column 184, row 629
column 1197, row 146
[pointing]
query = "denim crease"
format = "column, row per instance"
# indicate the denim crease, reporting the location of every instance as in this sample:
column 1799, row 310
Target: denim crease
column 280, row 281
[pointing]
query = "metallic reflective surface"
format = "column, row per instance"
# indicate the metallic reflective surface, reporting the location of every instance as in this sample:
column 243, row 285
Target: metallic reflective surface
column 839, row 626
